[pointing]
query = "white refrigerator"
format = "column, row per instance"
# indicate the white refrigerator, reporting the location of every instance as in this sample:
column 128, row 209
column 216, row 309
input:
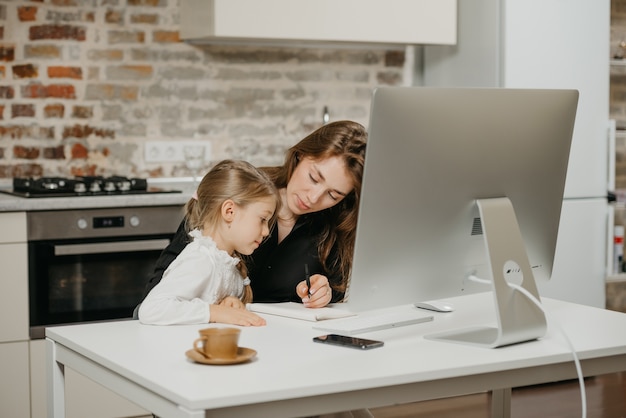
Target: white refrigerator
column 549, row 44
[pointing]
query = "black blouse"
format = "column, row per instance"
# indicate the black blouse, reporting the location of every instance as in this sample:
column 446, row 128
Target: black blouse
column 274, row 269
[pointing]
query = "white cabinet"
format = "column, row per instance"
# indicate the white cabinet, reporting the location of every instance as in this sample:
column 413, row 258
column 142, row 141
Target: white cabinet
column 14, row 391
column 38, row 381
column 14, row 277
column 14, row 366
column 391, row 22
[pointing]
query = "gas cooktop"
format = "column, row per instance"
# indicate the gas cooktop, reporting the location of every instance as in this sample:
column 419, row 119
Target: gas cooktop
column 81, row 186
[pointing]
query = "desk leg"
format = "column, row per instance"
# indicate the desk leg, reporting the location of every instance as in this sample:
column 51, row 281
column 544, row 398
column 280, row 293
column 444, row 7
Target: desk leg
column 501, row 403
column 55, row 382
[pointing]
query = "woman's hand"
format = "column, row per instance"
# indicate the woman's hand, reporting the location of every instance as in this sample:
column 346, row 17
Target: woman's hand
column 236, row 316
column 321, row 293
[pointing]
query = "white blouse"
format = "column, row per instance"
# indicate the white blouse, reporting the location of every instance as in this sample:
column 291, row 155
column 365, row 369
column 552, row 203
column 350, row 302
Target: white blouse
column 201, row 275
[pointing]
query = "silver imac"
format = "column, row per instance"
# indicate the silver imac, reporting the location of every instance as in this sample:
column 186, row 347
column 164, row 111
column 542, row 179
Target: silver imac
column 462, row 183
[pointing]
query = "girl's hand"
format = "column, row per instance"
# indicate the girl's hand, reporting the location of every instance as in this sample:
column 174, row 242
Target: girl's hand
column 233, row 302
column 321, row 293
column 229, row 315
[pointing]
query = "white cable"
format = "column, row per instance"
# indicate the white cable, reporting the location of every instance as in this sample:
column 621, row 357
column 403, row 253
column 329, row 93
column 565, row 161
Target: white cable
column 579, row 372
column 478, row 279
column 581, row 381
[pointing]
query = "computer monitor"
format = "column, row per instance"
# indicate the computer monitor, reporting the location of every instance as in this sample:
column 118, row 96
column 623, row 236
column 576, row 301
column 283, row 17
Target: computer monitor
column 436, row 158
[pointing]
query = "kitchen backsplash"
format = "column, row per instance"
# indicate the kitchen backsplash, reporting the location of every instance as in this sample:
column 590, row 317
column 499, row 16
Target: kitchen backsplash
column 84, row 84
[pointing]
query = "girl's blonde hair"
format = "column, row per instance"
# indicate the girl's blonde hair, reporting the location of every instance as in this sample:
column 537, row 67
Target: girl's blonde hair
column 238, row 181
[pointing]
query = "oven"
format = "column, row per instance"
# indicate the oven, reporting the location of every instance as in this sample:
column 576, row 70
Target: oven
column 93, row 264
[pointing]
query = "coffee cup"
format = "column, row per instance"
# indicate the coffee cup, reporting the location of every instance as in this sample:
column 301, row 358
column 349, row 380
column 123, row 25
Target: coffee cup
column 218, row 343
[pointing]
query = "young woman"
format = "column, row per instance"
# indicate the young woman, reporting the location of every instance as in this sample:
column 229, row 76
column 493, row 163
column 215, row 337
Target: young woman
column 229, row 217
column 319, row 186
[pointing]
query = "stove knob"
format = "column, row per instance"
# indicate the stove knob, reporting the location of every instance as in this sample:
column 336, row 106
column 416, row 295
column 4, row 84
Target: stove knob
column 124, row 185
column 109, row 186
column 134, row 220
column 82, row 223
column 94, row 187
column 80, row 188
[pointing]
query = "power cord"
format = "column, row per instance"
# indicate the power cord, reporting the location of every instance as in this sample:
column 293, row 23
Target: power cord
column 581, row 380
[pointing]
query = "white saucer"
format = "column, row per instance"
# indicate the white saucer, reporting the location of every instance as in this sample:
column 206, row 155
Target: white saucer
column 243, row 354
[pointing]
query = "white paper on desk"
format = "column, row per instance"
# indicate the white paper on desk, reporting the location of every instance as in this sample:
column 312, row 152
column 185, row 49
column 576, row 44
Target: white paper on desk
column 298, row 311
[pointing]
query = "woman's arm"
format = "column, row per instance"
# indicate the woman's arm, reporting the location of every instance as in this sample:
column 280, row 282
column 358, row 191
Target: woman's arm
column 179, row 242
column 277, row 270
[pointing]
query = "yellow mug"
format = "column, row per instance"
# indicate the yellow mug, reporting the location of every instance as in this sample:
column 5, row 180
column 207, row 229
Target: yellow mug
column 218, row 343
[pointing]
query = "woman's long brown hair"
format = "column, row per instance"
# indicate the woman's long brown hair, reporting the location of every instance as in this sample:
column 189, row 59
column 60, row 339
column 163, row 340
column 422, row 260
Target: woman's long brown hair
column 347, row 140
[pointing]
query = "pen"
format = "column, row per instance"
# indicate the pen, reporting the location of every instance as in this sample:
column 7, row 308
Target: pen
column 307, row 278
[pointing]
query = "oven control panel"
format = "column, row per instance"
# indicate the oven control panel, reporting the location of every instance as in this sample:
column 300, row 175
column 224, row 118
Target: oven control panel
column 90, row 223
column 108, row 221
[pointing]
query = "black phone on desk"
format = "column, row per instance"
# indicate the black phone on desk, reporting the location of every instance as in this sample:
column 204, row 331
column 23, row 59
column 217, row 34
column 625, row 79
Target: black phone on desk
column 346, row 341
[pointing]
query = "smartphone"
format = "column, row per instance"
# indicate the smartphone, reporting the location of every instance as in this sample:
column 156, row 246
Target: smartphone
column 343, row 340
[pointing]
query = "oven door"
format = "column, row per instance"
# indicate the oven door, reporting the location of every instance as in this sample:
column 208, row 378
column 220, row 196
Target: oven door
column 91, row 279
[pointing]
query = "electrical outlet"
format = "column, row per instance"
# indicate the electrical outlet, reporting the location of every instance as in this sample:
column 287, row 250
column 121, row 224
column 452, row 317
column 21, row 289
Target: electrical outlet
column 171, row 151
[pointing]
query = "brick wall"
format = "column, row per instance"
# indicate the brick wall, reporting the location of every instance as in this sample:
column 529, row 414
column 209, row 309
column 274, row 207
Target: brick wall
column 84, row 83
column 618, row 86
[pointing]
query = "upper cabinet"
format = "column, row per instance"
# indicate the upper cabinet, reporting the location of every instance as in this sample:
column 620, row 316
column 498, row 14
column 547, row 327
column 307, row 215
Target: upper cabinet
column 302, row 22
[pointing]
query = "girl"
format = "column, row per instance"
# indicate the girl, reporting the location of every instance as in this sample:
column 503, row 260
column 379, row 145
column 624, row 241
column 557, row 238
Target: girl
column 231, row 215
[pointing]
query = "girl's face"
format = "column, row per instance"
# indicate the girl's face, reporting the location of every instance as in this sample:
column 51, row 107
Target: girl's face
column 250, row 225
column 316, row 185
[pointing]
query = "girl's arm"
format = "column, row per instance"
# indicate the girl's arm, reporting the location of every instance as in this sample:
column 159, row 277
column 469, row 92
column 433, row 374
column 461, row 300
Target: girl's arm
column 233, row 302
column 187, row 295
column 228, row 315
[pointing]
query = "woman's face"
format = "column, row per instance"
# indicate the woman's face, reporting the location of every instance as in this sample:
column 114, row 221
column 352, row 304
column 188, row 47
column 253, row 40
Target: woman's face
column 316, row 185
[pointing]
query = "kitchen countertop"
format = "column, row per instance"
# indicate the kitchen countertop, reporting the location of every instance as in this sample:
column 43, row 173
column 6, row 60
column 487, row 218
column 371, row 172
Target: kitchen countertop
column 10, row 203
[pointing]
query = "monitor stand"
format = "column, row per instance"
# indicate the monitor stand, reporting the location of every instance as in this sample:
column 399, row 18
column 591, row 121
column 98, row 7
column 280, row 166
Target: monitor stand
column 519, row 318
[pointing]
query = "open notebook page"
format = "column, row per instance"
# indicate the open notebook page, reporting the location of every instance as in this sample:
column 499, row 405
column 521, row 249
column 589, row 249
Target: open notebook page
column 298, row 311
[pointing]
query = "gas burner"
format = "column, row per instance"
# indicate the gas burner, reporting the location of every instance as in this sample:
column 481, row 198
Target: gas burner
column 81, row 186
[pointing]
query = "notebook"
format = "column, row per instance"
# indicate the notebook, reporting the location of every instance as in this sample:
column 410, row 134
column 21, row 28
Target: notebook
column 298, row 311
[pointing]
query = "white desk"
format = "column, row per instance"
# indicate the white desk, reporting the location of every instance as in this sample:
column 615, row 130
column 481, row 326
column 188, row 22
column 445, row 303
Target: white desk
column 292, row 376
